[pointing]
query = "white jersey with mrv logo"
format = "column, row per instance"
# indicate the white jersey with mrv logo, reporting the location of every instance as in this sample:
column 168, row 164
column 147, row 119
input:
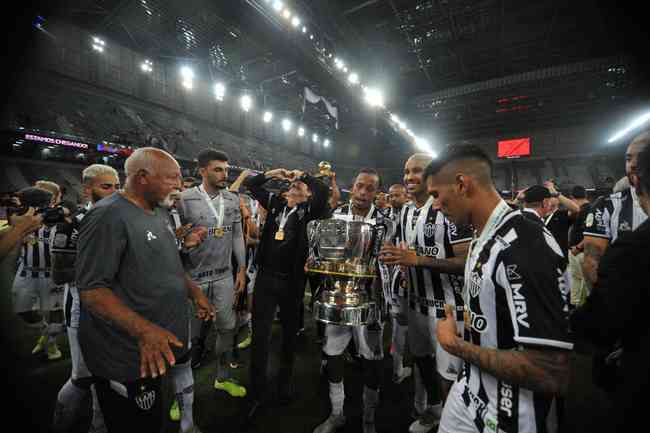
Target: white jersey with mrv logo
column 516, row 298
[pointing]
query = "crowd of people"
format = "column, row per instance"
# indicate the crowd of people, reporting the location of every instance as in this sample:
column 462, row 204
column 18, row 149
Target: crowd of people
column 487, row 294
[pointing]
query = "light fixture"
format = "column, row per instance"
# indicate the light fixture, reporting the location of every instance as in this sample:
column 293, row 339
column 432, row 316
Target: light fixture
column 635, row 124
column 301, row 132
column 286, row 13
column 345, row 69
column 311, row 37
column 304, row 29
column 188, row 84
column 219, row 91
column 394, row 118
column 286, row 125
column 268, row 116
column 314, row 138
column 277, row 5
column 326, row 143
column 373, row 97
column 353, row 78
column 295, row 21
column 187, row 73
column 246, row 103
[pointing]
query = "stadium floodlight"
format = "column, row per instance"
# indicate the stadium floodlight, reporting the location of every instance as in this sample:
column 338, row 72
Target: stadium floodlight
column 98, row 41
column 301, row 132
column 304, row 29
column 268, row 116
column 286, row 13
column 345, row 69
column 373, row 97
column 353, row 78
column 99, row 48
column 326, row 143
column 286, row 125
column 311, row 37
column 147, row 66
column 295, row 21
column 635, row 124
column 394, row 118
column 278, row 5
column 314, row 138
column 187, row 73
column 219, row 91
column 246, row 103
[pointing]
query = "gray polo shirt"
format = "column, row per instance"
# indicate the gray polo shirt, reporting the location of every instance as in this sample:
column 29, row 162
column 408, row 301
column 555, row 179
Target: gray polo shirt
column 134, row 254
column 212, row 259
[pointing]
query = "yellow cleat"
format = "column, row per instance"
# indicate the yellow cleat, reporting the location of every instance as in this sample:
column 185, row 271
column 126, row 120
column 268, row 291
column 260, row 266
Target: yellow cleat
column 232, row 388
column 244, row 344
column 40, row 344
column 53, row 352
column 175, row 411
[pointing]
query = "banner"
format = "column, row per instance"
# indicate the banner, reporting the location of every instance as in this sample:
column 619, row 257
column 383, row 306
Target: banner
column 313, row 98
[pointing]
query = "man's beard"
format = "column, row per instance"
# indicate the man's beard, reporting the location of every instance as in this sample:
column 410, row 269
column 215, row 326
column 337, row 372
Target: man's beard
column 167, row 203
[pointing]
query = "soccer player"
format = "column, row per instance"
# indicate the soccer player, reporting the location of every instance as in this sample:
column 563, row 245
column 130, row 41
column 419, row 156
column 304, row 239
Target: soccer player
column 211, row 205
column 33, row 280
column 73, row 400
column 516, row 346
column 399, row 296
column 367, row 338
column 434, row 256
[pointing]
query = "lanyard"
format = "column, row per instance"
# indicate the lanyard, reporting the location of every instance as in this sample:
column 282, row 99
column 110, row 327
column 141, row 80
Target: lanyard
column 411, row 230
column 499, row 212
column 548, row 218
column 217, row 215
column 284, row 218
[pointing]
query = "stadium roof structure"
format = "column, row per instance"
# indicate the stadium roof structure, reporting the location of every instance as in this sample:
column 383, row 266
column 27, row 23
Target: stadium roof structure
column 459, row 67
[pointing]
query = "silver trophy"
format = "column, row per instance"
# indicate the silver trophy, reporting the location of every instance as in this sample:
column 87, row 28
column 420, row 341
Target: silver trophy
column 344, row 253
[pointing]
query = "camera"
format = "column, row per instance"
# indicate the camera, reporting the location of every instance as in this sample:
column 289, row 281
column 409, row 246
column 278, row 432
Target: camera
column 51, row 215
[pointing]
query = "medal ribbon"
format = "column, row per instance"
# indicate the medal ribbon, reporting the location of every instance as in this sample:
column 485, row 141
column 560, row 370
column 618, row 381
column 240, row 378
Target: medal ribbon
column 218, row 215
column 284, row 218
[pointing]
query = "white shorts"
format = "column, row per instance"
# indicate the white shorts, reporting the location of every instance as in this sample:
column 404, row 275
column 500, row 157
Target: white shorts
column 456, row 417
column 36, row 294
column 79, row 367
column 422, row 342
column 72, row 306
column 367, row 338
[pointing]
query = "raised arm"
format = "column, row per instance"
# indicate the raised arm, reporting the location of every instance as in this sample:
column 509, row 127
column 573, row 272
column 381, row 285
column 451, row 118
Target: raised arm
column 594, row 249
column 255, row 185
column 319, row 205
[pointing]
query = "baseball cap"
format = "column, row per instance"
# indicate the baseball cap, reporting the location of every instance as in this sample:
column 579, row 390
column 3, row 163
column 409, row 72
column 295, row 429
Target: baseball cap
column 536, row 193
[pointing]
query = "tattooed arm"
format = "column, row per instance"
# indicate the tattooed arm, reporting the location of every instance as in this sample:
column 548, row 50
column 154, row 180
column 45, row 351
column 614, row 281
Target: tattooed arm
column 594, row 248
column 402, row 256
column 543, row 370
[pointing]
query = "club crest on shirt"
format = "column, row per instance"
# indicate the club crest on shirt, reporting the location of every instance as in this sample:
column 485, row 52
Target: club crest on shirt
column 429, row 230
column 511, row 273
column 590, row 220
column 146, row 399
column 474, row 285
column 624, row 227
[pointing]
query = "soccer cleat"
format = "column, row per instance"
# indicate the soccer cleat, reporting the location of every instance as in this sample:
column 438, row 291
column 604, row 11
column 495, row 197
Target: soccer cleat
column 175, row 411
column 331, row 424
column 427, row 421
column 406, row 372
column 53, row 352
column 40, row 344
column 247, row 342
column 232, row 388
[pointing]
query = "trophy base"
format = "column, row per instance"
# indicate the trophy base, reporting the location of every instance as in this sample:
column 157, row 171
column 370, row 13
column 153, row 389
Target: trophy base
column 346, row 315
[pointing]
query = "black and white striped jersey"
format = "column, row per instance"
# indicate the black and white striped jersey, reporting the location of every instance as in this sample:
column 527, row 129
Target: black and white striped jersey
column 434, row 236
column 516, row 296
column 614, row 214
column 34, row 260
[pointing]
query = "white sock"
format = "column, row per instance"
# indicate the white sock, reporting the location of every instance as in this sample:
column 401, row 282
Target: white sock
column 370, row 402
column 97, row 425
column 71, row 401
column 420, row 399
column 337, row 397
column 184, row 393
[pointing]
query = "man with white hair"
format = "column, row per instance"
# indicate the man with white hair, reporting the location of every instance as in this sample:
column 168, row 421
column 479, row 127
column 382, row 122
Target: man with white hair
column 99, row 181
column 134, row 321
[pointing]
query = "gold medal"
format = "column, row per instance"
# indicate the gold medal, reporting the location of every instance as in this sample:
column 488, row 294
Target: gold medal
column 279, row 235
column 32, row 240
column 218, row 232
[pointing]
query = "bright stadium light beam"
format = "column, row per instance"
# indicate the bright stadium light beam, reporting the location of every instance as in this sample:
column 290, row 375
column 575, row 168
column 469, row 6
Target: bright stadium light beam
column 353, row 78
column 286, row 13
column 304, row 29
column 246, row 103
column 295, row 21
column 219, row 91
column 286, row 125
column 278, row 5
column 301, row 132
column 373, row 97
column 635, row 124
column 268, row 116
column 314, row 138
column 326, row 143
column 187, row 73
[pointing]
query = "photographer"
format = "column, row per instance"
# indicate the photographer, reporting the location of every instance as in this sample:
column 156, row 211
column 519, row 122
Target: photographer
column 33, row 281
column 19, row 227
